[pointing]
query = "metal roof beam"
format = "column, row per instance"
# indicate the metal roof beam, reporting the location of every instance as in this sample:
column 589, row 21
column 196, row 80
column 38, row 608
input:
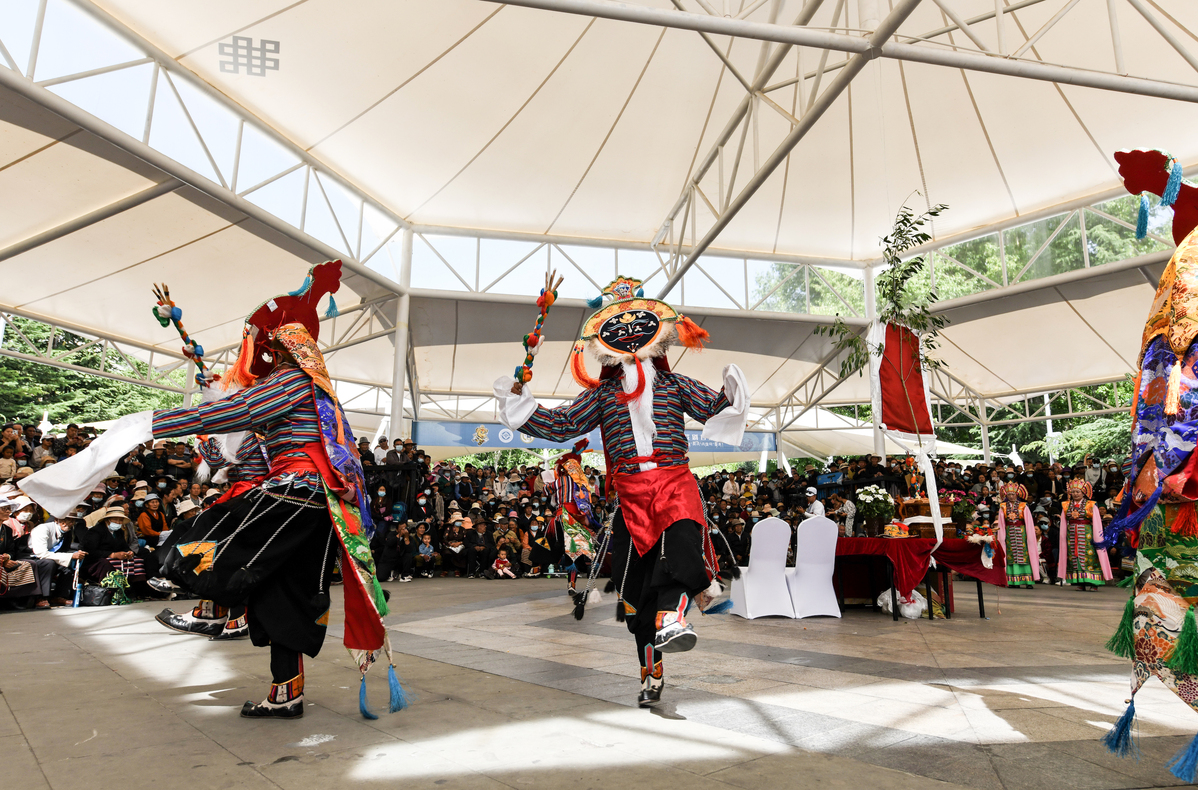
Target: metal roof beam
column 99, row 215
column 814, row 112
column 872, row 47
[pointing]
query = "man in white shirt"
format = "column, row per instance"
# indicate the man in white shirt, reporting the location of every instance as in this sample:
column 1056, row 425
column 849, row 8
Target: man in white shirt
column 380, row 452
column 814, row 506
column 52, row 541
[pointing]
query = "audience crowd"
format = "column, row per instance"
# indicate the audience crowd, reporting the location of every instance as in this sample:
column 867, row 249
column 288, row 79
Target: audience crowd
column 445, row 519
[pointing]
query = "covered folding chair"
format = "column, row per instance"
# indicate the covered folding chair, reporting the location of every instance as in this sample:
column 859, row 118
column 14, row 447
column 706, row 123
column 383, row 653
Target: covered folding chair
column 761, row 589
column 810, row 582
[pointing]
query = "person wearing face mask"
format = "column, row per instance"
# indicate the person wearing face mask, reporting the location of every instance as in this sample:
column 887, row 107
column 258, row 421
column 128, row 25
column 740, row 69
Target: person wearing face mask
column 50, row 545
column 109, row 551
column 22, row 519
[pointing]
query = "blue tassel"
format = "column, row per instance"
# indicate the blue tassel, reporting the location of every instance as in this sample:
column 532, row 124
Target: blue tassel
column 332, row 312
column 1184, row 764
column 1142, row 220
column 1173, row 187
column 640, row 292
column 595, row 303
column 303, row 288
column 399, row 698
column 1125, row 520
column 1119, row 741
column 363, row 708
column 719, row 608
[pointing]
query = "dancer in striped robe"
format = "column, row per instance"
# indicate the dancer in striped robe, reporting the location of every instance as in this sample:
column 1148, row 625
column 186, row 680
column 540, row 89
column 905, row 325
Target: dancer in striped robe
column 662, row 557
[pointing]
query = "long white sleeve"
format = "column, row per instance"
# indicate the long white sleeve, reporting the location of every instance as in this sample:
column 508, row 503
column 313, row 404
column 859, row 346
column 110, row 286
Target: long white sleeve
column 729, row 425
column 514, row 410
column 59, row 488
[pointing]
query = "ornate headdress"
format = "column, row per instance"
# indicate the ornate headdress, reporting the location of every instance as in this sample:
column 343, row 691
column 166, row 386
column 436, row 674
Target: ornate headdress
column 1013, row 487
column 630, row 327
column 298, row 307
column 1079, row 484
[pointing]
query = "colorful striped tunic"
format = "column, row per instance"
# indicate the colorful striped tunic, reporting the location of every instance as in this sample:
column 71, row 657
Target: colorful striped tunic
column 281, row 405
column 251, row 461
column 674, row 396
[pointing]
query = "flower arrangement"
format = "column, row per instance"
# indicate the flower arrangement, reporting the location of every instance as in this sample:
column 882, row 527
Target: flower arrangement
column 874, row 502
column 964, row 503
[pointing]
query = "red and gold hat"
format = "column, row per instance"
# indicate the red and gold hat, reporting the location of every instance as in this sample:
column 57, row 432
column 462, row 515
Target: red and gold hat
column 631, row 326
column 298, row 307
column 1019, row 491
column 1080, row 484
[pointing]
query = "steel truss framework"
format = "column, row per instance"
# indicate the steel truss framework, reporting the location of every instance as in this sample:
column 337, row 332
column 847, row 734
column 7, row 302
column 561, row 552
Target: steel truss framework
column 335, row 218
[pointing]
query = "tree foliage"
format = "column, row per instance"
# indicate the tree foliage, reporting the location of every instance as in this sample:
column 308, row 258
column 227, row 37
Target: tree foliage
column 29, row 389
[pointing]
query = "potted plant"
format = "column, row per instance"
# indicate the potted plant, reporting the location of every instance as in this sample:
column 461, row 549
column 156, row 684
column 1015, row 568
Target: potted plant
column 876, row 507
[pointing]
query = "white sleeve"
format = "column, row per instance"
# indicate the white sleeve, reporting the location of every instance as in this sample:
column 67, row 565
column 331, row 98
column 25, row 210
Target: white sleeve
column 61, row 487
column 728, row 427
column 513, row 410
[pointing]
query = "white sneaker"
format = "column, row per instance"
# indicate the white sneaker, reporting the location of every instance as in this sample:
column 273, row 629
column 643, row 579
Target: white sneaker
column 675, row 635
column 402, row 579
column 162, row 586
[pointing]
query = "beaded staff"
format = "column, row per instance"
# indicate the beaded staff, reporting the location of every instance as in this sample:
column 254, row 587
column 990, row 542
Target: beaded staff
column 534, row 340
column 166, row 313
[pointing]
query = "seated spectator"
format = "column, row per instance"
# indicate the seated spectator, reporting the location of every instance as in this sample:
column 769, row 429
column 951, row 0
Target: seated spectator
column 453, row 550
column 428, row 559
column 8, row 461
column 51, row 543
column 44, row 450
column 108, row 551
column 502, row 568
column 24, row 579
column 480, row 546
column 151, row 523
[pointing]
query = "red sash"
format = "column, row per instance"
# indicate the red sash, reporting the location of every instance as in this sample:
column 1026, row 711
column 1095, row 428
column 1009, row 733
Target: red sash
column 651, row 501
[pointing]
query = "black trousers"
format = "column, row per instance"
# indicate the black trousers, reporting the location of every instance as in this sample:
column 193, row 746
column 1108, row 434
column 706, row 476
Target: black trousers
column 275, row 555
column 657, row 580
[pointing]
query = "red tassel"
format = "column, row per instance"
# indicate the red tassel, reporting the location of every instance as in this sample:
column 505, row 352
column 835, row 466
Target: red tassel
column 1186, row 522
column 691, row 334
column 1173, row 397
column 239, row 375
column 628, row 397
column 578, row 369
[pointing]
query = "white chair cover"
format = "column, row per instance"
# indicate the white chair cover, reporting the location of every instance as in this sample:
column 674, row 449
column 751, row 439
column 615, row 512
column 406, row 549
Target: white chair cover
column 761, row 589
column 810, row 582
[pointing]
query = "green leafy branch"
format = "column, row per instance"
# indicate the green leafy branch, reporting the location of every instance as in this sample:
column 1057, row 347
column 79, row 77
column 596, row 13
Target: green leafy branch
column 896, row 305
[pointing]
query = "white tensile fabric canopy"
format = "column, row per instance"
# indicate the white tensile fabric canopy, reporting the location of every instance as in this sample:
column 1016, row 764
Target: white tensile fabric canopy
column 484, row 143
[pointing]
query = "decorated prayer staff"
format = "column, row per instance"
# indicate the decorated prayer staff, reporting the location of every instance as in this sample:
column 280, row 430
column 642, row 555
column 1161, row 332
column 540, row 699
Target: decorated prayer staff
column 534, row 340
column 1156, row 518
column 166, row 312
column 662, row 555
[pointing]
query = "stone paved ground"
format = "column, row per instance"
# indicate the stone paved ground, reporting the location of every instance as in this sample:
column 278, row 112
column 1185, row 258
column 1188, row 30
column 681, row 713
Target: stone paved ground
column 511, row 691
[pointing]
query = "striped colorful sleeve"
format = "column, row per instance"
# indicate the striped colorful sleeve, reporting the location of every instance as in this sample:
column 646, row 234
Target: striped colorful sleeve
column 565, row 422
column 254, row 407
column 698, row 400
column 211, row 452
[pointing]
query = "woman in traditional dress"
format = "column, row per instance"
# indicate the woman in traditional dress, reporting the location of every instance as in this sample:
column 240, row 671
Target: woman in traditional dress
column 1081, row 526
column 1017, row 535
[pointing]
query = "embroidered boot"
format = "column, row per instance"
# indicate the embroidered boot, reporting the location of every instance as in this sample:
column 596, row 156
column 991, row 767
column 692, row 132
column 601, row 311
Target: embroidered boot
column 236, row 628
column 285, row 701
column 674, row 634
column 652, row 682
column 206, row 619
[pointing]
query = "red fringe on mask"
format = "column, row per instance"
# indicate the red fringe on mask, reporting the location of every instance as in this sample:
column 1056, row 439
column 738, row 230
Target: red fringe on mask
column 691, row 334
column 239, row 375
column 578, row 369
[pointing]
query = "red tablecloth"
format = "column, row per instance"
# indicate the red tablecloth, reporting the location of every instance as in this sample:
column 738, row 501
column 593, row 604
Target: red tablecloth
column 910, row 558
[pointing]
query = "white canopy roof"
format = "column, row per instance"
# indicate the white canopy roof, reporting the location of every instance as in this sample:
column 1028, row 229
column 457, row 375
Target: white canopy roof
column 136, row 147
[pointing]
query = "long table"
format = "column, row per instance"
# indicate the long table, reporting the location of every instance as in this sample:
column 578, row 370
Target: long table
column 908, row 563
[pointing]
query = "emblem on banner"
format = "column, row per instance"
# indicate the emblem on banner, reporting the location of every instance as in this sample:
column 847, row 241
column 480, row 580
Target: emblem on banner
column 480, row 435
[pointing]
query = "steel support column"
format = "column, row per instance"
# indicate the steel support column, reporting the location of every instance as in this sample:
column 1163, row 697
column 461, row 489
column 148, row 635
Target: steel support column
column 402, row 310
